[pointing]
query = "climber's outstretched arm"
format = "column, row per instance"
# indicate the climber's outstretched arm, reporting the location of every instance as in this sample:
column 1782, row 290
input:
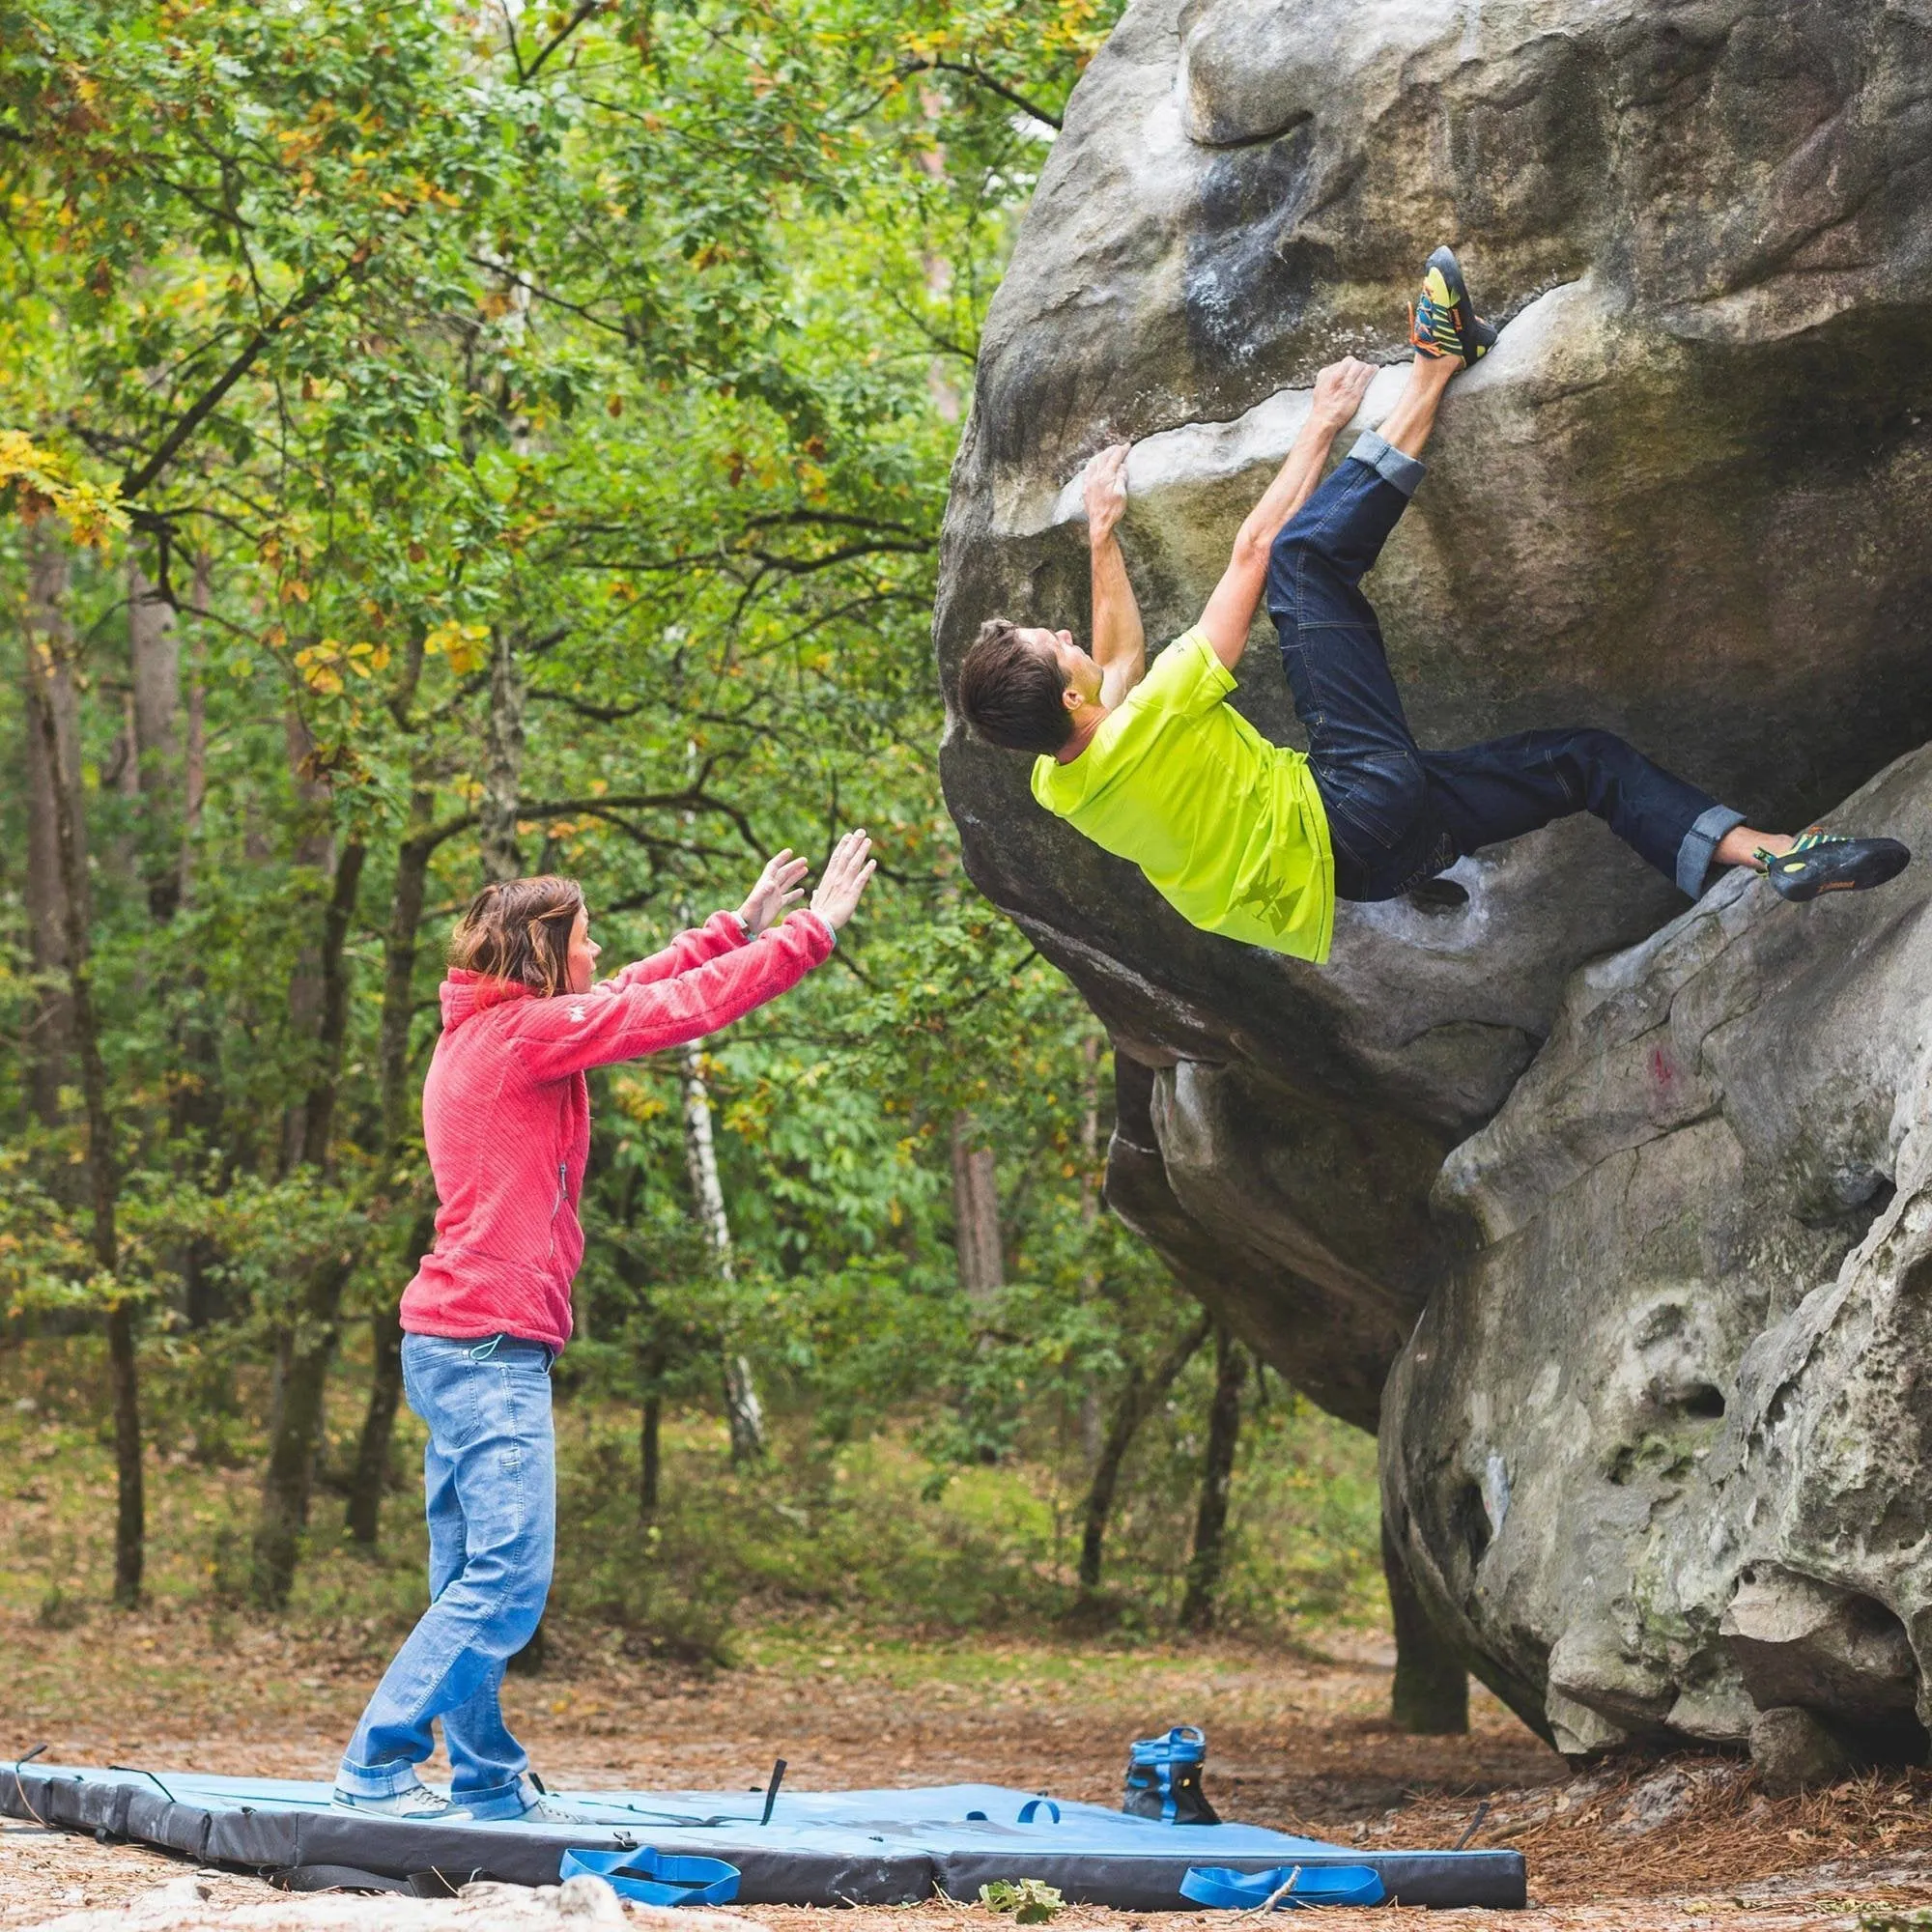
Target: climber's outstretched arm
column 1339, row 390
column 1119, row 644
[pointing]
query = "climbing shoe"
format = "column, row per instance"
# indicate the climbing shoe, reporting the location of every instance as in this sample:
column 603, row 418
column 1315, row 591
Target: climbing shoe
column 1442, row 321
column 1164, row 1778
column 1821, row 862
column 415, row 1802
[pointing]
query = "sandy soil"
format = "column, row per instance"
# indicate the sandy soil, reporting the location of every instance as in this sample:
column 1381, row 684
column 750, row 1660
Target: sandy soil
column 1295, row 1741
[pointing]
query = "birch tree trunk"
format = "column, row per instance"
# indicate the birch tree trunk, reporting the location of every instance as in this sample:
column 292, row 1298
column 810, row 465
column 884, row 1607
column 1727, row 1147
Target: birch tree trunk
column 743, row 1414
column 502, row 760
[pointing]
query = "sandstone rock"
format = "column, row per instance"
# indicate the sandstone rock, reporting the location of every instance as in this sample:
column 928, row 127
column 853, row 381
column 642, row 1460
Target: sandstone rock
column 1686, row 498
column 1693, row 1329
column 1797, row 1641
column 1793, row 1752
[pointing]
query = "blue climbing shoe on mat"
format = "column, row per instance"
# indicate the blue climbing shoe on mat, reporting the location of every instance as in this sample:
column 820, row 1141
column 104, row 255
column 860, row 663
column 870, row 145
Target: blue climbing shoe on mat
column 1822, row 861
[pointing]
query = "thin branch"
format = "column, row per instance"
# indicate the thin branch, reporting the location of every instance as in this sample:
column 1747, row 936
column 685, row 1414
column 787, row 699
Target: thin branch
column 584, row 10
column 134, row 481
column 981, row 77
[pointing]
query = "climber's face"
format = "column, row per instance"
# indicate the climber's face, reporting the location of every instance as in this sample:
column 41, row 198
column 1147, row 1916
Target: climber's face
column 1081, row 672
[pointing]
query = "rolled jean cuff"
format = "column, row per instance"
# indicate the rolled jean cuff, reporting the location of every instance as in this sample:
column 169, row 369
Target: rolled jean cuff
column 1700, row 847
column 1389, row 462
column 375, row 1781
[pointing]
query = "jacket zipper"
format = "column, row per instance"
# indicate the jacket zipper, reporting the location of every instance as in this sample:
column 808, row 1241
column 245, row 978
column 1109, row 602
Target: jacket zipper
column 556, row 1205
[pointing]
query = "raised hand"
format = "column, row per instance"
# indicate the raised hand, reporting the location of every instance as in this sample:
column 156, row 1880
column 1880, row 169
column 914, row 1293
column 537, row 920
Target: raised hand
column 843, row 879
column 1339, row 390
column 777, row 889
column 1104, row 491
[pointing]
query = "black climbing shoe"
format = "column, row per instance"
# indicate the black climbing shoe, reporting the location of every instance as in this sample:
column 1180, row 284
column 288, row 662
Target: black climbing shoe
column 1443, row 320
column 1821, row 862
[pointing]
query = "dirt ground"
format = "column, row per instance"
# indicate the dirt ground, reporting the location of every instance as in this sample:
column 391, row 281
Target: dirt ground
column 1295, row 1741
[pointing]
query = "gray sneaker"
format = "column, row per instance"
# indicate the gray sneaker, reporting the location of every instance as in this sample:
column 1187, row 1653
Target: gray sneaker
column 417, row 1801
column 530, row 1805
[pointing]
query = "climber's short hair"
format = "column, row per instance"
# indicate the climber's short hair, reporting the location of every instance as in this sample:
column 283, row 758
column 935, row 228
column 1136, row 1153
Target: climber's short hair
column 1012, row 694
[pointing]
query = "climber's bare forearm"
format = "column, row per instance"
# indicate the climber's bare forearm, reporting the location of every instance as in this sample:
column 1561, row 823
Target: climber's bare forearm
column 1120, row 644
column 1339, row 390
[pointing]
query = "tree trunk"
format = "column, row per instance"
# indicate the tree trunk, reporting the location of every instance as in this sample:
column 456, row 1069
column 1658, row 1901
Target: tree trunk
column 1093, row 1425
column 154, row 654
column 1431, row 1694
column 290, row 1475
column 502, row 760
column 295, row 1425
column 48, row 673
column 650, row 1432
column 392, row 1061
column 743, row 1414
column 1139, row 1396
column 370, row 1477
column 314, row 850
column 103, row 1177
column 976, row 1216
column 195, row 1109
column 194, row 755
column 1210, row 1521
column 332, row 1020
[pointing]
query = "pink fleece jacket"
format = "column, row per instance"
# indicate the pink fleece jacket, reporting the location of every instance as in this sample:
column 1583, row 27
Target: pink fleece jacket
column 506, row 1114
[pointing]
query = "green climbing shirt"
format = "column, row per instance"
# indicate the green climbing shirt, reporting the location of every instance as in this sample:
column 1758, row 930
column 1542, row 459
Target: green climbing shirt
column 1229, row 829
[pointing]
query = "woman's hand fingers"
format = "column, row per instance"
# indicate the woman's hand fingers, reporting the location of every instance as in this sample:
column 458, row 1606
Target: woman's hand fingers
column 843, row 879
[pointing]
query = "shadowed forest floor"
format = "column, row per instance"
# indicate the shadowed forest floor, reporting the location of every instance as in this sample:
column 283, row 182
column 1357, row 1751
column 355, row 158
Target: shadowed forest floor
column 1297, row 1740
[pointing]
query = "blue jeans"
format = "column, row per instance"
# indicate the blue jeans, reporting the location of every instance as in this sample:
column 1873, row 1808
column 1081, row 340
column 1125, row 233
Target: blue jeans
column 490, row 1471
column 1398, row 815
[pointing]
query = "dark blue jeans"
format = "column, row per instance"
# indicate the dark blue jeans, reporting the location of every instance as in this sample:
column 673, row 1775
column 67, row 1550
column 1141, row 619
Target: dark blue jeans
column 1398, row 815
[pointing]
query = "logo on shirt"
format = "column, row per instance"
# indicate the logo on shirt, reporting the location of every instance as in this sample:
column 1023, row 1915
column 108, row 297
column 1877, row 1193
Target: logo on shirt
column 1271, row 902
column 578, row 1010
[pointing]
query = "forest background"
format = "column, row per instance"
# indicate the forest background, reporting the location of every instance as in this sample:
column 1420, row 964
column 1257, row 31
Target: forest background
column 443, row 443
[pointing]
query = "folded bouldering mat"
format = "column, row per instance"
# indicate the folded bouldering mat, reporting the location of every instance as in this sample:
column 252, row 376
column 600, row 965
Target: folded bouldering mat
column 819, row 1847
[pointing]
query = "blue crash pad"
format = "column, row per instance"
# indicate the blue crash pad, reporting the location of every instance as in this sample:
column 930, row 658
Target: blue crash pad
column 883, row 1847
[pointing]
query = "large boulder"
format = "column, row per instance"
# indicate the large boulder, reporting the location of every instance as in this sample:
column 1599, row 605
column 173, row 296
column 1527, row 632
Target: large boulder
column 1658, row 1453
column 1687, row 498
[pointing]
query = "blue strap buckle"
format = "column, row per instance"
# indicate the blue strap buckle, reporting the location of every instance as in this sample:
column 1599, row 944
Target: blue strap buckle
column 656, row 1878
column 1287, row 1885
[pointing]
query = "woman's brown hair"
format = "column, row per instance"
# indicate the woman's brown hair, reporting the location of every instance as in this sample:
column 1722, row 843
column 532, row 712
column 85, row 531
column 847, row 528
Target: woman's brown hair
column 520, row 929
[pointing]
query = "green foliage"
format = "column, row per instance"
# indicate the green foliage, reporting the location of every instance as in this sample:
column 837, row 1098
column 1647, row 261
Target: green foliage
column 538, row 422
column 1029, row 1901
column 832, row 1545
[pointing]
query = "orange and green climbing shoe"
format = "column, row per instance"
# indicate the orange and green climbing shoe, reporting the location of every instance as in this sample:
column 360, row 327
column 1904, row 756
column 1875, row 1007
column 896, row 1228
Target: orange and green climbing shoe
column 1442, row 321
column 1821, row 862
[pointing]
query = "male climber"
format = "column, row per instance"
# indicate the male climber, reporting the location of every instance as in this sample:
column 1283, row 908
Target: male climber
column 1257, row 841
